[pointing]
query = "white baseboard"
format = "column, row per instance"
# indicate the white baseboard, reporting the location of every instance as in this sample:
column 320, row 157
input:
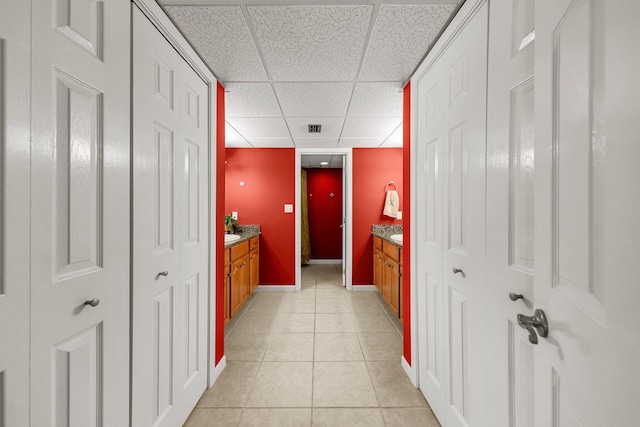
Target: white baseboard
column 369, row 288
column 410, row 371
column 324, row 261
column 218, row 369
column 268, row 288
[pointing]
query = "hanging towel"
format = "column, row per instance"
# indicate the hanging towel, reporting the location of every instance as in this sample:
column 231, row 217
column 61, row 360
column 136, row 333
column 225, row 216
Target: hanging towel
column 391, row 204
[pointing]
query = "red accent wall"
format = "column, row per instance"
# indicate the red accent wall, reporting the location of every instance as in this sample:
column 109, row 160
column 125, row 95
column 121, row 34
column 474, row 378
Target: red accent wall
column 269, row 176
column 373, row 168
column 219, row 223
column 406, row 227
column 325, row 212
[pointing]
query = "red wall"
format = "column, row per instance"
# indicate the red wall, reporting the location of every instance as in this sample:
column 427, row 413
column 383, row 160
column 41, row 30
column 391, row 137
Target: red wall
column 219, row 223
column 269, row 182
column 325, row 212
column 373, row 168
column 406, row 228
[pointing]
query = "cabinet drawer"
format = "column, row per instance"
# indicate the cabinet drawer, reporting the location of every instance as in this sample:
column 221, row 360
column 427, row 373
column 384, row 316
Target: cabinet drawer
column 227, row 256
column 391, row 250
column 239, row 250
column 254, row 243
column 377, row 242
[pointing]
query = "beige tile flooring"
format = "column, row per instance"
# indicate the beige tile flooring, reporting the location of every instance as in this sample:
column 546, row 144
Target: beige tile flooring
column 322, row 356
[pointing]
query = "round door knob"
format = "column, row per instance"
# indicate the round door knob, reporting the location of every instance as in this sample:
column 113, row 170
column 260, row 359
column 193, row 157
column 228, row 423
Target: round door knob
column 92, row 302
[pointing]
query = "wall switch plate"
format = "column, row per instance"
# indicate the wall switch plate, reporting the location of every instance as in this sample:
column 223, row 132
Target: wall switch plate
column 399, row 215
column 234, row 215
column 288, row 208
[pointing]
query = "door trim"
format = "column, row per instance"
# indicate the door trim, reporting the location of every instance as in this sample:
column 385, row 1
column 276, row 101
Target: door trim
column 348, row 163
column 167, row 28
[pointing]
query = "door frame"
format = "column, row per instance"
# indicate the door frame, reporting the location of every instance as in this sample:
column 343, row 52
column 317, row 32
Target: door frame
column 167, row 28
column 347, row 243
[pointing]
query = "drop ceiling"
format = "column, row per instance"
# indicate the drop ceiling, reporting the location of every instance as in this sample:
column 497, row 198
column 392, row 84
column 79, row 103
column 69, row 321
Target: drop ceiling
column 285, row 65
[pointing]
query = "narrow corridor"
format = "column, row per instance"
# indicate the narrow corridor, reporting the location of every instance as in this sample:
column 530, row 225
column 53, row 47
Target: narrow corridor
column 322, row 356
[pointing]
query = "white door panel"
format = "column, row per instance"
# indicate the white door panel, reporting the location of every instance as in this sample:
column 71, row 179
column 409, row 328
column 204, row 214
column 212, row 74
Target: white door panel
column 14, row 211
column 80, row 214
column 451, row 181
column 170, row 231
column 587, row 223
column 510, row 233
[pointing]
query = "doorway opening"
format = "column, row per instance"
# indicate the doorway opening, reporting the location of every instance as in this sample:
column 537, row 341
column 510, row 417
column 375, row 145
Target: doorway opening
column 323, row 232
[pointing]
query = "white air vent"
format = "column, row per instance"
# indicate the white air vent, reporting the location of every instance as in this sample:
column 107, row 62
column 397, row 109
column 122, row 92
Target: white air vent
column 315, row 128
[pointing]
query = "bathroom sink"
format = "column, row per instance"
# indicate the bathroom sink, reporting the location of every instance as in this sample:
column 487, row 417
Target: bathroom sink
column 228, row 238
column 396, row 238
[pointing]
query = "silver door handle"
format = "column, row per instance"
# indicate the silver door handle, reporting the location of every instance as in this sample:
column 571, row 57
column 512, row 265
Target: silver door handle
column 515, row 297
column 536, row 325
column 92, row 302
column 458, row 270
column 163, row 273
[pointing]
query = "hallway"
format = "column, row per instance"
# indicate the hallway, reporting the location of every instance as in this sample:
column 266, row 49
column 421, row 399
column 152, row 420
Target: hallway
column 322, row 356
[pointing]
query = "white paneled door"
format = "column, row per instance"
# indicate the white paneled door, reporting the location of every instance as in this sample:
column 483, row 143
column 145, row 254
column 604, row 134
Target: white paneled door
column 80, row 213
column 14, row 211
column 509, row 224
column 587, row 213
column 170, row 238
column 450, row 151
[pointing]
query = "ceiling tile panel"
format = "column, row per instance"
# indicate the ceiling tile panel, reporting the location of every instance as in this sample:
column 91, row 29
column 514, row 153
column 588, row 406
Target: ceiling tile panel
column 221, row 36
column 320, row 142
column 259, row 127
column 395, row 139
column 233, row 138
column 250, row 100
column 359, row 142
column 330, row 127
column 311, row 42
column 377, row 100
column 401, row 36
column 271, row 142
column 370, row 127
column 314, row 99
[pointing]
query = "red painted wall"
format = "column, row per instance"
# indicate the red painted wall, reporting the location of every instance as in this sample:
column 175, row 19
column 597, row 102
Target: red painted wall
column 406, row 227
column 325, row 212
column 219, row 224
column 373, row 168
column 268, row 175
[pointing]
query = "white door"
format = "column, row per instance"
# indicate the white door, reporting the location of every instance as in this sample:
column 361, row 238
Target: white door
column 80, row 213
column 509, row 225
column 451, row 148
column 15, row 56
column 170, row 241
column 587, row 205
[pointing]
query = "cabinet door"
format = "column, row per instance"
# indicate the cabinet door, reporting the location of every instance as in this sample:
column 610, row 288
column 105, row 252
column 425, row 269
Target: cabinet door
column 377, row 269
column 227, row 294
column 235, row 280
column 254, row 271
column 393, row 285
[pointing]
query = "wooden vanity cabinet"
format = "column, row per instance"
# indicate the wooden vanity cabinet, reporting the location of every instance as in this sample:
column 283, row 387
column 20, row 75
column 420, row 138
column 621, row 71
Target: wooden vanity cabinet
column 387, row 272
column 242, row 274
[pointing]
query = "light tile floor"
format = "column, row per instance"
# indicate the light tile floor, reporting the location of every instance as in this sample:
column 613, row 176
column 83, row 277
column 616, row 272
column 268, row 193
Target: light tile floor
column 322, row 356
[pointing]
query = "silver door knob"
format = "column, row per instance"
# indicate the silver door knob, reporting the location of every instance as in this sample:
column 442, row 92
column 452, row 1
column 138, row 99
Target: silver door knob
column 163, row 273
column 92, row 302
column 536, row 323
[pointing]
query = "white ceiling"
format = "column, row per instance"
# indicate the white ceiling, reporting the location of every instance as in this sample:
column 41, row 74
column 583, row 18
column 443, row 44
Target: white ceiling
column 287, row 64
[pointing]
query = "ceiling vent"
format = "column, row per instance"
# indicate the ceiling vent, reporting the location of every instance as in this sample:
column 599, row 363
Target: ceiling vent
column 315, row 128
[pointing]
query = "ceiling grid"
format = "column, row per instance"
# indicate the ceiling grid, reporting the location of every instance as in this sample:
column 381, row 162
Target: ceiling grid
column 288, row 64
